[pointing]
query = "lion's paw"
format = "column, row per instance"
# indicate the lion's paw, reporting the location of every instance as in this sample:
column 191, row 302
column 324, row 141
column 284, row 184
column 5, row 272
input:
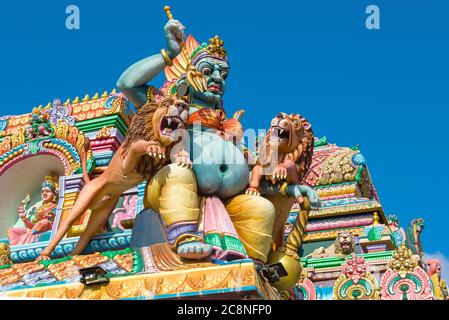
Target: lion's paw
column 280, row 173
column 156, row 151
column 253, row 191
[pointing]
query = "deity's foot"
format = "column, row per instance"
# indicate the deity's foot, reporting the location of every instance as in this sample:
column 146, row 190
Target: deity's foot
column 194, row 250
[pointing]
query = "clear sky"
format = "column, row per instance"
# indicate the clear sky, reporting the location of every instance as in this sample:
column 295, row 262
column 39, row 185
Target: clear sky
column 386, row 90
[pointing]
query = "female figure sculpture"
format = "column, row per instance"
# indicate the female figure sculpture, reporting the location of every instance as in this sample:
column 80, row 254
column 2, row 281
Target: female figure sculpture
column 40, row 217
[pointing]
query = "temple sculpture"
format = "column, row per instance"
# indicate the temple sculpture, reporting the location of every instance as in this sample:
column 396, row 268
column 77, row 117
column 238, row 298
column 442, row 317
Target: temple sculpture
column 39, row 218
column 154, row 189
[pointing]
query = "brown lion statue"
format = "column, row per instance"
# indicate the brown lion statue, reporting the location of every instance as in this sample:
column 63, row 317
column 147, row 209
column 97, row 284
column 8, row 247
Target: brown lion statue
column 286, row 154
column 344, row 245
column 284, row 159
column 145, row 150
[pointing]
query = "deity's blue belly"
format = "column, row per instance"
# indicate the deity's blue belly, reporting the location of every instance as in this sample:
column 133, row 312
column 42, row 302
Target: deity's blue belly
column 219, row 166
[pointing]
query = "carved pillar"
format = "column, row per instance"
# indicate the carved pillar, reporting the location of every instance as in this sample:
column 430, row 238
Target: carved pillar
column 69, row 188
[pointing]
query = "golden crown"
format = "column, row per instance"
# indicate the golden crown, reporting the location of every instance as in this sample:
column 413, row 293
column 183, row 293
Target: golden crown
column 214, row 48
column 51, row 181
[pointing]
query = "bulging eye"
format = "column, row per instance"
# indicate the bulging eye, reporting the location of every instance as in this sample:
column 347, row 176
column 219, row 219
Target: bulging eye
column 206, row 71
column 296, row 122
column 224, row 75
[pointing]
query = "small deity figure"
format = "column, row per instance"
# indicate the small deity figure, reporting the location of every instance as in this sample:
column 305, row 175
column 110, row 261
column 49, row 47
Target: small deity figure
column 128, row 211
column 59, row 111
column 39, row 125
column 39, row 218
column 397, row 233
column 439, row 285
column 413, row 237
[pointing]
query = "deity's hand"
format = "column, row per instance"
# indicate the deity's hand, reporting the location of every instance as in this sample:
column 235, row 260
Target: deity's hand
column 174, row 32
column 310, row 193
column 21, row 212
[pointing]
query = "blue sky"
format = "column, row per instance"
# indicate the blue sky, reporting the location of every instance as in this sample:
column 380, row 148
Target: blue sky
column 386, row 90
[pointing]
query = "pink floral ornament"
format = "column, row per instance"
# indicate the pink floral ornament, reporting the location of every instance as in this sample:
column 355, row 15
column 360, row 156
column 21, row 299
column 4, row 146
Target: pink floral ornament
column 355, row 268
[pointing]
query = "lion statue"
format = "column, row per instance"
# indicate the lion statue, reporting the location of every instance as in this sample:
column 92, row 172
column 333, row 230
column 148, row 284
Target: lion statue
column 284, row 159
column 145, row 150
column 289, row 144
column 344, row 245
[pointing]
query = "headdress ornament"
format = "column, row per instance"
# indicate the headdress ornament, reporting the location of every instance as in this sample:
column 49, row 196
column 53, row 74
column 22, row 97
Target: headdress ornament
column 191, row 53
column 214, row 49
column 52, row 182
column 183, row 65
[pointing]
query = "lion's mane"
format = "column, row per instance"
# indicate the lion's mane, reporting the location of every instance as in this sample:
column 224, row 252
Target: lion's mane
column 302, row 155
column 141, row 128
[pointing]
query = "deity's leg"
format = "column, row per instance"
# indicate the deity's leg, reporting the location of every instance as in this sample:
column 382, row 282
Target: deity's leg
column 173, row 193
column 253, row 218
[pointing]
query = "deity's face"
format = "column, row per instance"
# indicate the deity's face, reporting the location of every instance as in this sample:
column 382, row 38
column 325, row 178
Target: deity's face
column 216, row 72
column 47, row 195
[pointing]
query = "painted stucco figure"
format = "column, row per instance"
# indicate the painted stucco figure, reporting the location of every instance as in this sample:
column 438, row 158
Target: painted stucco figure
column 343, row 246
column 413, row 237
column 205, row 211
column 146, row 149
column 39, row 124
column 284, row 159
column 220, row 173
column 39, row 218
column 439, row 285
column 397, row 233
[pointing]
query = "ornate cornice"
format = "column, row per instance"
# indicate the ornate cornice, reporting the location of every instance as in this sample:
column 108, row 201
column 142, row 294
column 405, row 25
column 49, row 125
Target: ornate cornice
column 369, row 205
column 229, row 280
column 104, row 242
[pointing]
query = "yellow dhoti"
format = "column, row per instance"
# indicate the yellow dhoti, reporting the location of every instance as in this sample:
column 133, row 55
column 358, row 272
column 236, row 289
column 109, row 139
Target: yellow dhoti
column 173, row 193
column 253, row 218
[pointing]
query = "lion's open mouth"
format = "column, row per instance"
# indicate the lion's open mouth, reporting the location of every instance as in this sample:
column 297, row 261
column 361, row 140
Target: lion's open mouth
column 169, row 124
column 279, row 134
column 346, row 245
